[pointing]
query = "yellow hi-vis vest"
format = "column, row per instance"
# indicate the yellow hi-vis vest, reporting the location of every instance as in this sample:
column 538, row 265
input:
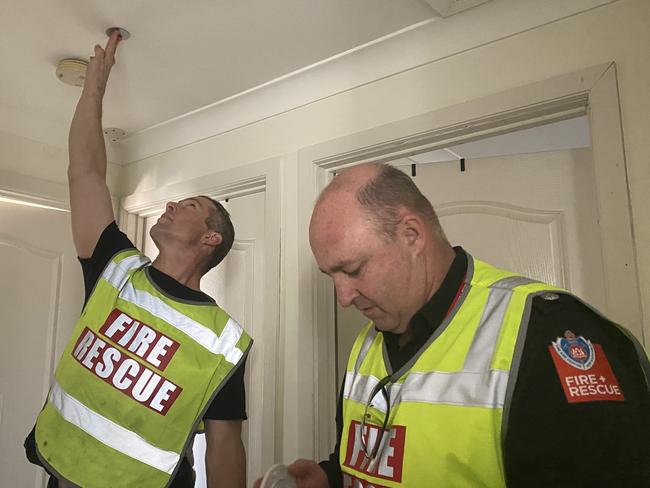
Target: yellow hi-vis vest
column 134, row 381
column 445, row 423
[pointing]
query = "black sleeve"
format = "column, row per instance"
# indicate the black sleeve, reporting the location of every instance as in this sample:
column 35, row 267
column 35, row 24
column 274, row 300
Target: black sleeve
column 331, row 466
column 552, row 442
column 230, row 402
column 112, row 241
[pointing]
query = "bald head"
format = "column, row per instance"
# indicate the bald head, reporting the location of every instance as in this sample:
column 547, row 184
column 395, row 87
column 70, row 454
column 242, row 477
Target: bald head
column 382, row 192
column 378, row 238
column 351, row 179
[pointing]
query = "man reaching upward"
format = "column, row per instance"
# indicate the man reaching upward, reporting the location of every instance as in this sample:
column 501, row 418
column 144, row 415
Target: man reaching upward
column 151, row 355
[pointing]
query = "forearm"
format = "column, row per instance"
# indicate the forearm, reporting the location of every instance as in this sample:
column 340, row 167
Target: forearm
column 90, row 200
column 225, row 465
column 86, row 140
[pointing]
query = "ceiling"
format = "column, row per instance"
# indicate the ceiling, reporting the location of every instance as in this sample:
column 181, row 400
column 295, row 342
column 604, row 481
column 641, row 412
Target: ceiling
column 557, row 136
column 181, row 55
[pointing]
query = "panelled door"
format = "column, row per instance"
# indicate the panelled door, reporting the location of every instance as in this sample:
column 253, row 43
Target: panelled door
column 41, row 294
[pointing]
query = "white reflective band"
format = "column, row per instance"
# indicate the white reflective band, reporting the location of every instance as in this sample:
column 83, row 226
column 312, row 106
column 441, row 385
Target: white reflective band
column 231, row 334
column 485, row 389
column 109, row 433
column 513, row 282
column 226, row 344
column 367, row 342
column 485, row 339
column 359, row 387
column 117, row 273
column 484, row 343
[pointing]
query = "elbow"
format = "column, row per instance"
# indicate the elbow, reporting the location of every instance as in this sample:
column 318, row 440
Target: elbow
column 78, row 173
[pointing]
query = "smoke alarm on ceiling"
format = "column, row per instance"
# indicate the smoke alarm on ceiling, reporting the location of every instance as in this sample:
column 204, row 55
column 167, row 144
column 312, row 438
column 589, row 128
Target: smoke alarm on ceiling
column 114, row 134
column 72, row 71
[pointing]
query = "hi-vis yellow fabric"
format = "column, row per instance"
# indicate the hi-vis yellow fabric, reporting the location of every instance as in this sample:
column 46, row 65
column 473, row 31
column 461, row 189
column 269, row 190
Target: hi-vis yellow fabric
column 134, row 381
column 446, row 414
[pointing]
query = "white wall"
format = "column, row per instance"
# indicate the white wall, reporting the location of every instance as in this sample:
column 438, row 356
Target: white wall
column 31, row 167
column 614, row 32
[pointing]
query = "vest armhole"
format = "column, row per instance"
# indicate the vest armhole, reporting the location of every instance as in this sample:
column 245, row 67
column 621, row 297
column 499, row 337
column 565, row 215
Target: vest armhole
column 514, row 366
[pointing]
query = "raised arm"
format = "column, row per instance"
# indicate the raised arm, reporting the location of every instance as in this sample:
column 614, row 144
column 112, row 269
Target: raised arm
column 90, row 200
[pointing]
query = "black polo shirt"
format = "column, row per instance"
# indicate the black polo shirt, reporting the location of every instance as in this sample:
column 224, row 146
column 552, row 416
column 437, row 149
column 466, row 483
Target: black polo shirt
column 550, row 442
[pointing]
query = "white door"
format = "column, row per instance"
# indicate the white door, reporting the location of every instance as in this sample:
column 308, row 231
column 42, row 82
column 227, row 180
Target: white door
column 534, row 214
column 237, row 286
column 41, row 294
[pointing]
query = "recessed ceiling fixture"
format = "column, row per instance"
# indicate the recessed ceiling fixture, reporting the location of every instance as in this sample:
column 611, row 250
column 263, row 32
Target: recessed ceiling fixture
column 123, row 32
column 72, row 71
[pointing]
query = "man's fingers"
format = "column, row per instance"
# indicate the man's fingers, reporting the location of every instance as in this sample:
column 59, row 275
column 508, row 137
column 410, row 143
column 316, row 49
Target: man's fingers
column 302, row 467
column 112, row 43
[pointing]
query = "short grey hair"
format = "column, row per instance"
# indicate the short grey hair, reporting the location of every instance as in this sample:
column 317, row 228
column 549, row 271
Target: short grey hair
column 388, row 191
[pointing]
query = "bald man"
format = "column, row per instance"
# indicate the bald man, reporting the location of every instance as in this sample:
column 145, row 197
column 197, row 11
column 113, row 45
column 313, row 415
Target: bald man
column 466, row 375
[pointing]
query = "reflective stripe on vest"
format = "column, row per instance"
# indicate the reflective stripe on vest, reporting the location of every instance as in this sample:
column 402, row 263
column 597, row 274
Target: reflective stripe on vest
column 110, row 433
column 134, row 381
column 446, row 404
column 225, row 344
column 475, row 385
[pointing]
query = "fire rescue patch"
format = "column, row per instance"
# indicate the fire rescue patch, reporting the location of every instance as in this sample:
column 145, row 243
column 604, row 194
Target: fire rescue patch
column 577, row 351
column 584, row 370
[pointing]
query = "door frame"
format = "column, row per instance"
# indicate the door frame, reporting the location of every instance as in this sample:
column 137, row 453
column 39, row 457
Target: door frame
column 265, row 434
column 29, row 190
column 592, row 91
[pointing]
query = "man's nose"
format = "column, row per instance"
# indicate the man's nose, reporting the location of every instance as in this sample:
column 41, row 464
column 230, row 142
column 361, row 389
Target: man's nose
column 345, row 292
column 171, row 206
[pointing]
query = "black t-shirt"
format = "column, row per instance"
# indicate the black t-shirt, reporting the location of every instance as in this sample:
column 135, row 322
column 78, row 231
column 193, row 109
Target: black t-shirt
column 230, row 401
column 550, row 442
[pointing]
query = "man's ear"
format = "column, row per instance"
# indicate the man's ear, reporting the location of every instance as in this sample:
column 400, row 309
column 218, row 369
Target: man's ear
column 212, row 238
column 412, row 230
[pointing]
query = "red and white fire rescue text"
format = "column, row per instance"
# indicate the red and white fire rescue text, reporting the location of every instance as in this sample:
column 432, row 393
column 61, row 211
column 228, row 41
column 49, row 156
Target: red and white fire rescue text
column 120, row 370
